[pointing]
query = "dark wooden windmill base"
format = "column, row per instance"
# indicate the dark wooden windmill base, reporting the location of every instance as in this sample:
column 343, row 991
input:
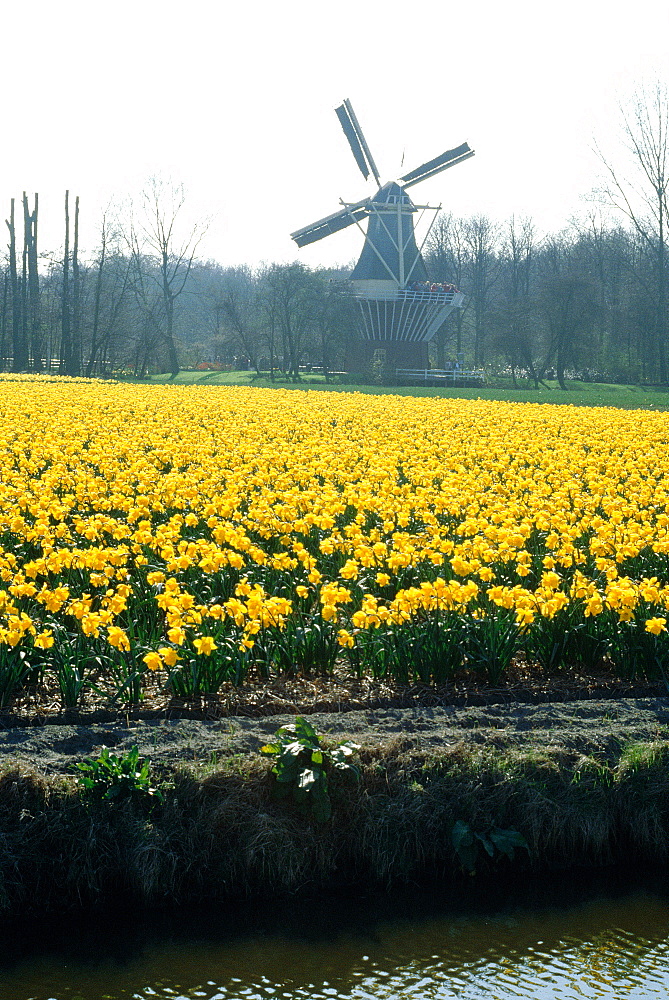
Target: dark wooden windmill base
column 392, row 354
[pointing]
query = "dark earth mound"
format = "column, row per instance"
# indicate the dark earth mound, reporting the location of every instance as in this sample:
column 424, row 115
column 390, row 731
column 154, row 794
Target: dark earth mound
column 582, row 726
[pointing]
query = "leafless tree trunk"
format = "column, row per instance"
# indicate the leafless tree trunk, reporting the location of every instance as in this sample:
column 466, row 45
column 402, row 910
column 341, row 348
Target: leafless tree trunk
column 24, row 280
column 480, row 236
column 76, row 296
column 92, row 357
column 32, row 294
column 520, row 341
column 448, row 254
column 65, row 367
column 291, row 290
column 3, row 326
column 19, row 354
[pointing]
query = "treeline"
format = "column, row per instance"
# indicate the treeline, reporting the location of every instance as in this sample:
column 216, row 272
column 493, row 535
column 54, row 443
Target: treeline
column 589, row 301
column 582, row 302
column 115, row 312
column 144, row 302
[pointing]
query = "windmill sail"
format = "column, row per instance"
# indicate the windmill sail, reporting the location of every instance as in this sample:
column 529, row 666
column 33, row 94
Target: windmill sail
column 330, row 224
column 356, row 140
column 439, row 163
column 353, row 141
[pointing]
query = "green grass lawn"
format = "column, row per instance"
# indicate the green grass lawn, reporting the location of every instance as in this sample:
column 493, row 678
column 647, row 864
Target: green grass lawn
column 577, row 394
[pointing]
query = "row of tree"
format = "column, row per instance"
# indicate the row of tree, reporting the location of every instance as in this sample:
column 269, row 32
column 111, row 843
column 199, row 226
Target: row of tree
column 585, row 300
column 117, row 310
column 593, row 298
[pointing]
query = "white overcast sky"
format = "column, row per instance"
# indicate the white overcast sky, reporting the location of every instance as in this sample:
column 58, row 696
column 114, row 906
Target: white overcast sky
column 236, row 101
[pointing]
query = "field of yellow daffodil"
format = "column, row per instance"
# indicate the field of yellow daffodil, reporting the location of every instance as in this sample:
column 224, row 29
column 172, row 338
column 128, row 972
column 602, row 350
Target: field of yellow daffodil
column 209, row 534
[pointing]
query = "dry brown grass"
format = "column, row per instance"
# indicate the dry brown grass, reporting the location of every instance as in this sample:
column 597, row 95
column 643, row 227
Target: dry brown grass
column 222, row 835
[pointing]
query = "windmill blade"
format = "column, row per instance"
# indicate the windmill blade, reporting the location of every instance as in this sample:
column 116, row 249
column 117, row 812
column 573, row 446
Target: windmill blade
column 439, row 163
column 353, row 141
column 330, row 224
column 356, row 140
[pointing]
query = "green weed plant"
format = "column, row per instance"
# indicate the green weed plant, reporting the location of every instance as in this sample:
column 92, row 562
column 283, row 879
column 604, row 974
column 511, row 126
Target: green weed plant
column 495, row 843
column 113, row 778
column 301, row 766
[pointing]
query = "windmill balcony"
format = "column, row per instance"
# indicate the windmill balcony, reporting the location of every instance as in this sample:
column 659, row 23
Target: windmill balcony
column 453, row 298
column 403, row 314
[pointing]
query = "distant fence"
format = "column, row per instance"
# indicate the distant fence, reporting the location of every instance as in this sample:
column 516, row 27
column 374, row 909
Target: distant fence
column 49, row 365
column 439, row 376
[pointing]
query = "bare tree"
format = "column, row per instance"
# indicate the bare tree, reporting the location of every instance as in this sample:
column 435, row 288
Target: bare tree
column 447, row 257
column 3, row 321
column 292, row 291
column 516, row 335
column 158, row 239
column 568, row 303
column 76, row 296
column 110, row 299
column 638, row 189
column 480, row 237
column 335, row 317
column 239, row 314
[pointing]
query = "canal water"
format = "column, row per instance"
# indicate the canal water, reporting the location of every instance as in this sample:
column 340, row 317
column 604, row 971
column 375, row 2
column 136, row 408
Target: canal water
column 573, row 938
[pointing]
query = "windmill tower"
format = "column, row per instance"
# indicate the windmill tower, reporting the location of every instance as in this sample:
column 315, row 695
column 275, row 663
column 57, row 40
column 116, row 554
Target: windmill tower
column 399, row 310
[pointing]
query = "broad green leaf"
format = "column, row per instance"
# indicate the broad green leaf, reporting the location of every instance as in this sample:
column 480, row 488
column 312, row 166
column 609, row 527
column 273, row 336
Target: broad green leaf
column 507, row 840
column 307, row 779
column 467, row 855
column 287, row 772
column 489, row 847
column 322, row 809
column 461, row 835
column 305, row 729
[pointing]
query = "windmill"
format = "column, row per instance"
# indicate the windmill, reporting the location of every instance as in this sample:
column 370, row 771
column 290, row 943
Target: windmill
column 399, row 309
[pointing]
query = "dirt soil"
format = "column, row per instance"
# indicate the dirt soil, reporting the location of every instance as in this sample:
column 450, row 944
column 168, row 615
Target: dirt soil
column 581, row 726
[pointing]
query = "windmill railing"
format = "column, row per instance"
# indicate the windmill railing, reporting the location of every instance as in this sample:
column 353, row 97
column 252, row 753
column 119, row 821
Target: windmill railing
column 408, row 295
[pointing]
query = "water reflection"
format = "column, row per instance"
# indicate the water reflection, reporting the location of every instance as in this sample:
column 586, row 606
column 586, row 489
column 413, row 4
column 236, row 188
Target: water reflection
column 608, row 942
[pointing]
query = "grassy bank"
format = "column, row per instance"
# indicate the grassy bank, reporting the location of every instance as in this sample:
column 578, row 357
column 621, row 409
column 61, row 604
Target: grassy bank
column 627, row 397
column 220, row 833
